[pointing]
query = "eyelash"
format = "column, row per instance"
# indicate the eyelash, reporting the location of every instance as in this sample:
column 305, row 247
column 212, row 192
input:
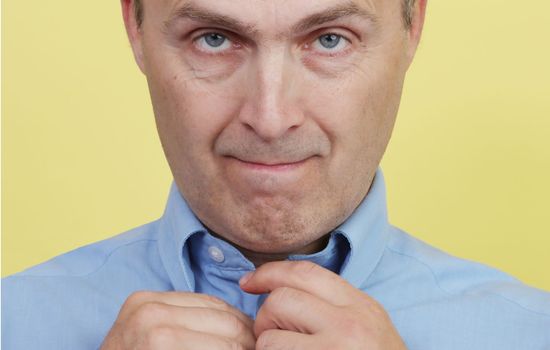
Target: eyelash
column 234, row 44
column 329, row 52
column 237, row 45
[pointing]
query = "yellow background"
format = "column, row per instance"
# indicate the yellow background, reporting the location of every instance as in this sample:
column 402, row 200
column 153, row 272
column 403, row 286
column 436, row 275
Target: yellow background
column 467, row 170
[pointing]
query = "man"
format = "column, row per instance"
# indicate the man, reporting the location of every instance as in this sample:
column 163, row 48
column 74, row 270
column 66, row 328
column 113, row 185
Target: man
column 274, row 116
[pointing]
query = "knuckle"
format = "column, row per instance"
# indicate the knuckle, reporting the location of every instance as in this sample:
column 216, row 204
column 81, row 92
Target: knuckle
column 238, row 326
column 234, row 324
column 159, row 337
column 138, row 297
column 147, row 313
column 372, row 306
column 377, row 308
column 212, row 300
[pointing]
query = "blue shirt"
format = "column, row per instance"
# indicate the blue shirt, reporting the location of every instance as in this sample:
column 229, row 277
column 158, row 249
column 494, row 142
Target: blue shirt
column 436, row 301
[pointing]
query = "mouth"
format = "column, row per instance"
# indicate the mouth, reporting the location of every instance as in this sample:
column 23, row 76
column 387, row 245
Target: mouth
column 269, row 177
column 270, row 166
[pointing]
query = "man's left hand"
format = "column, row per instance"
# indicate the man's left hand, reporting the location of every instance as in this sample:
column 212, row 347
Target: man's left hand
column 309, row 307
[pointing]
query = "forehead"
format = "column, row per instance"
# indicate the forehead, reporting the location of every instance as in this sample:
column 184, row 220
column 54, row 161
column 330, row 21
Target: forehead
column 268, row 7
column 268, row 14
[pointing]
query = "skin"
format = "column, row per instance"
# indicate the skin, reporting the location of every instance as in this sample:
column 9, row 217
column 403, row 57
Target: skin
column 175, row 320
column 309, row 307
column 273, row 140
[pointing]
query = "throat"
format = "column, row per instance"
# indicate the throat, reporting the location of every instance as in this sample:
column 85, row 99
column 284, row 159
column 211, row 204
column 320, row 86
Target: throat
column 260, row 258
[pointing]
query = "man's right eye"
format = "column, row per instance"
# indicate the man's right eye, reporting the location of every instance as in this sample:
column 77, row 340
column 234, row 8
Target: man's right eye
column 213, row 42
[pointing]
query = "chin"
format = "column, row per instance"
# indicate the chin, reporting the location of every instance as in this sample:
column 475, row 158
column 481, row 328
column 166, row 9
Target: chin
column 276, row 247
column 281, row 236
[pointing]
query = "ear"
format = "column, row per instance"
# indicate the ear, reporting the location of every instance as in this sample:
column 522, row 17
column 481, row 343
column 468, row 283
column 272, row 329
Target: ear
column 417, row 25
column 133, row 31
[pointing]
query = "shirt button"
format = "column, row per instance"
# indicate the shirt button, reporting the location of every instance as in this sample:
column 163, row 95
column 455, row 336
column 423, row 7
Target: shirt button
column 216, row 254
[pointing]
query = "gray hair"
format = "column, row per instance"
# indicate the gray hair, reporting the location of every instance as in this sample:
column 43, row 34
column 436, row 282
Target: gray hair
column 408, row 12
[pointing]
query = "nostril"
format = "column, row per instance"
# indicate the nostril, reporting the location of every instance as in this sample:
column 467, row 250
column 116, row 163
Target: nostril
column 293, row 127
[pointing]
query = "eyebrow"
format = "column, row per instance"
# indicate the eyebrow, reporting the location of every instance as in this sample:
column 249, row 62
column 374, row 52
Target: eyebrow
column 196, row 13
column 348, row 9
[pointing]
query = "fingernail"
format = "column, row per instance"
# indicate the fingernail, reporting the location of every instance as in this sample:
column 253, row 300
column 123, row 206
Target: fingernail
column 246, row 278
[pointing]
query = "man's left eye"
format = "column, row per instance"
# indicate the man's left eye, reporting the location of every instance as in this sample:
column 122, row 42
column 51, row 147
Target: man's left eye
column 331, row 43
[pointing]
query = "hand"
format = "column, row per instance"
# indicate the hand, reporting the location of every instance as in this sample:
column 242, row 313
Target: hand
column 174, row 320
column 310, row 307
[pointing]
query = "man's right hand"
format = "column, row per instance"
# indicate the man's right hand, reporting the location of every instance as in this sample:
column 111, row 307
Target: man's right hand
column 176, row 320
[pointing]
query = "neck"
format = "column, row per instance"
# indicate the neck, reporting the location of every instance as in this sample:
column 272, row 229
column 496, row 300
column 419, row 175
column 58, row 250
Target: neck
column 259, row 258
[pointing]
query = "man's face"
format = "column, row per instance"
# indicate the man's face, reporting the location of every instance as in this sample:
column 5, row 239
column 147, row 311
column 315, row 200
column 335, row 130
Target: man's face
column 274, row 114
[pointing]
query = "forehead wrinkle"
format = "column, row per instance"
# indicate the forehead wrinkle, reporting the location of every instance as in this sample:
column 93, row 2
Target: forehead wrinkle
column 347, row 9
column 191, row 11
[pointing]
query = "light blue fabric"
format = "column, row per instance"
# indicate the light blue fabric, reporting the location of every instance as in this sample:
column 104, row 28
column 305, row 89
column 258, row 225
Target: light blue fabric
column 436, row 301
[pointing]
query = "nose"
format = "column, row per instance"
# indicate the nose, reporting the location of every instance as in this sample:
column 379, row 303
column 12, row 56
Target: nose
column 272, row 109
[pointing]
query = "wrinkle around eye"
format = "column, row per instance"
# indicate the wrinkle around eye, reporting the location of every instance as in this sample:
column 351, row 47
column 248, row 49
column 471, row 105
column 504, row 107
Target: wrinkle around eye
column 316, row 50
column 187, row 39
column 349, row 40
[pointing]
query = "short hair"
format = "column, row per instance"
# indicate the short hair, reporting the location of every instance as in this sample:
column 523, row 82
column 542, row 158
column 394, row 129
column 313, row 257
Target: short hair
column 408, row 12
column 138, row 12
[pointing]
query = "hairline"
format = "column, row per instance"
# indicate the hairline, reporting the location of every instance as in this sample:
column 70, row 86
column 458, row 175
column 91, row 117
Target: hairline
column 407, row 12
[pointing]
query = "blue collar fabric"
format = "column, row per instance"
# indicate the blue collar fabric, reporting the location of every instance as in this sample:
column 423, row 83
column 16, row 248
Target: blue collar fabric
column 365, row 232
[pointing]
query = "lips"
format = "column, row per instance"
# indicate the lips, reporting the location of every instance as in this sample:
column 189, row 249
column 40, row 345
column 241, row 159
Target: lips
column 272, row 165
column 293, row 149
column 267, row 177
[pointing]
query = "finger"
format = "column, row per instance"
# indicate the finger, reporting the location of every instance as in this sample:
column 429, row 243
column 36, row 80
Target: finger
column 183, row 299
column 284, row 340
column 303, row 275
column 294, row 310
column 172, row 338
column 204, row 301
column 205, row 320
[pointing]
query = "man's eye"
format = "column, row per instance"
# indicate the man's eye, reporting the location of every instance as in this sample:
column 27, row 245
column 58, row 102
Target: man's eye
column 213, row 42
column 330, row 43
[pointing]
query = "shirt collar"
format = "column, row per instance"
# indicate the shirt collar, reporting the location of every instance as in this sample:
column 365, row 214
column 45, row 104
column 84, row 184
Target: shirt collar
column 366, row 231
column 177, row 224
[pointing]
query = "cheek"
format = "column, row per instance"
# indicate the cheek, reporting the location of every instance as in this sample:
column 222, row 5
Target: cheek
column 341, row 107
column 357, row 111
column 190, row 113
column 189, row 89
column 186, row 95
